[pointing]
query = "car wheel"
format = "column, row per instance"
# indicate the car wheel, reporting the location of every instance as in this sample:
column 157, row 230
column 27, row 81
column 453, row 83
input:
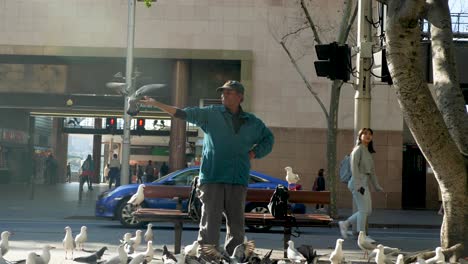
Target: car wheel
column 125, row 215
column 258, row 208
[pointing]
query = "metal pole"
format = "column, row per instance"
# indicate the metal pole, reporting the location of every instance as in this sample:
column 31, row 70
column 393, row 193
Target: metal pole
column 362, row 97
column 124, row 173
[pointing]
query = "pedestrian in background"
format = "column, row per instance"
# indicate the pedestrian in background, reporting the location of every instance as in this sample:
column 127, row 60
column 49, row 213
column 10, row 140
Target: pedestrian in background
column 114, row 171
column 319, row 185
column 164, row 170
column 232, row 139
column 106, row 173
column 68, row 172
column 87, row 172
column 149, row 171
column 363, row 174
column 139, row 173
column 50, row 169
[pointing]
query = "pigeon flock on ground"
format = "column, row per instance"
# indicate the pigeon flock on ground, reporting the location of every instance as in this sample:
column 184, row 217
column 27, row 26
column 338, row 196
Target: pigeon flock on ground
column 129, row 246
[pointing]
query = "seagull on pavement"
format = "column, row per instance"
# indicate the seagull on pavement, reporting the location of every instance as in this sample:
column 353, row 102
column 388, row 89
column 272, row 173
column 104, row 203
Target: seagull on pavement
column 337, row 255
column 138, row 197
column 293, row 254
column 380, row 256
column 133, row 242
column 191, row 250
column 122, row 257
column 291, row 177
column 438, row 258
column 82, row 237
column 68, row 242
column 137, row 259
column 149, row 253
column 31, row 259
column 4, row 243
column 365, row 244
column 45, row 257
column 388, row 251
column 149, row 233
column 93, row 258
column 400, row 259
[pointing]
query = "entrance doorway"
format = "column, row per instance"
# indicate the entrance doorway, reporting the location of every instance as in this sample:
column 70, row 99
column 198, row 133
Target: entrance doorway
column 414, row 178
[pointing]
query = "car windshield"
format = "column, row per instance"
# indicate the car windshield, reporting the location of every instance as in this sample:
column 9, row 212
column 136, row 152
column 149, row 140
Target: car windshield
column 170, row 175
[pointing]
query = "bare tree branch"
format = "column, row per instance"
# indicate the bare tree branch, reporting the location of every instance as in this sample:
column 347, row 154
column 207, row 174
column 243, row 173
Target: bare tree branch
column 305, row 80
column 312, row 25
column 294, row 32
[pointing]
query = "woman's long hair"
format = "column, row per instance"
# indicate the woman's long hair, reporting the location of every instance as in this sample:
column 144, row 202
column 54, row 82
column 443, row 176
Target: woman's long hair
column 370, row 147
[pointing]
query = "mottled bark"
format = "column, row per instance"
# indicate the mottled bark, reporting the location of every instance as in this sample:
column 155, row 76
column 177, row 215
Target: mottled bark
column 422, row 116
column 448, row 95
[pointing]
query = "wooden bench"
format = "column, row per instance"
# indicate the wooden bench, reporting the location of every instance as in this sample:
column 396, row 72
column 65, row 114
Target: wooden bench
column 178, row 217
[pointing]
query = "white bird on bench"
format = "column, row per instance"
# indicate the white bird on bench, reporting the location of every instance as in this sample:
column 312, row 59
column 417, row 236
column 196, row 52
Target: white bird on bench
column 291, row 177
column 138, row 197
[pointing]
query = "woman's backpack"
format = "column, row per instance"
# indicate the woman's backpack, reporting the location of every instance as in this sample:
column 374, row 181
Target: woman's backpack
column 345, row 169
column 278, row 205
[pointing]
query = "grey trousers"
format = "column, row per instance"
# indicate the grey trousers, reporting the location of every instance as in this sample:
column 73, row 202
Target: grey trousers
column 364, row 209
column 218, row 199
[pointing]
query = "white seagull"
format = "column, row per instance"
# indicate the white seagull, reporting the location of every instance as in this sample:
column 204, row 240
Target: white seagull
column 44, row 258
column 31, row 259
column 68, row 242
column 138, row 197
column 149, row 233
column 438, row 258
column 133, row 242
column 291, row 177
column 138, row 259
column 191, row 250
column 121, row 258
column 365, row 244
column 293, row 254
column 400, row 259
column 4, row 243
column 380, row 256
column 82, row 237
column 337, row 255
column 149, row 253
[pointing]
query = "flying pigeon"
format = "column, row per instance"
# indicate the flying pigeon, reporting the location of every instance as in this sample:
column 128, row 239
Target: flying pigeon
column 337, row 255
column 291, row 177
column 82, row 237
column 4, row 245
column 93, row 258
column 68, row 242
column 438, row 258
column 149, row 253
column 293, row 254
column 138, row 197
column 308, row 252
column 365, row 244
column 149, row 233
column 213, row 254
column 133, row 100
column 191, row 250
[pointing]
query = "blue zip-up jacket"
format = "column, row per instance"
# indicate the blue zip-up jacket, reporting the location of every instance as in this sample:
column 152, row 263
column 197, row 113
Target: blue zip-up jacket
column 225, row 150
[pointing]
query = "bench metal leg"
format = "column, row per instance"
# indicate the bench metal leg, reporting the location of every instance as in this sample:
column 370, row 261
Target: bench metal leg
column 178, row 226
column 286, row 238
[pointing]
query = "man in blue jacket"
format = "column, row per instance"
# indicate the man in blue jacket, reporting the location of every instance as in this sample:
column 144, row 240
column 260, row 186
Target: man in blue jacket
column 232, row 138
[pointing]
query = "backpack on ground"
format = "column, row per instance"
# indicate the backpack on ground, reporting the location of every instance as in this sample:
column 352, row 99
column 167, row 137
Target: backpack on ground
column 278, row 205
column 194, row 202
column 345, row 169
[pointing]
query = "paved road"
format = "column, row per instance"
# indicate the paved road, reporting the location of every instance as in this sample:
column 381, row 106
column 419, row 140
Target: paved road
column 33, row 234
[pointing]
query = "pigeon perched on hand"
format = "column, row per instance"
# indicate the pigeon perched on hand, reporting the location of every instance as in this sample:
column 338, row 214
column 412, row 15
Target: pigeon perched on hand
column 68, row 242
column 4, row 243
column 82, row 237
column 133, row 100
column 291, row 177
column 138, row 197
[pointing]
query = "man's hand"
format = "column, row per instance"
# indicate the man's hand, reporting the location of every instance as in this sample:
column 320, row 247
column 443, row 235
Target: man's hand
column 251, row 154
column 147, row 100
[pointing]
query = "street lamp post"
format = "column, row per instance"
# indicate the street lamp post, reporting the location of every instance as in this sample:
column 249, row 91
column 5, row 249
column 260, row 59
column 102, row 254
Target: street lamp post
column 124, row 172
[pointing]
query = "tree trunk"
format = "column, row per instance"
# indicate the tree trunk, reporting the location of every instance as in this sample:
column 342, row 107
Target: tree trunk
column 331, row 144
column 424, row 120
column 449, row 97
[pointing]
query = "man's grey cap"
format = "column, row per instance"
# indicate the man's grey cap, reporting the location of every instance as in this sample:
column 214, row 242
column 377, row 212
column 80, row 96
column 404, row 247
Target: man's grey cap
column 233, row 85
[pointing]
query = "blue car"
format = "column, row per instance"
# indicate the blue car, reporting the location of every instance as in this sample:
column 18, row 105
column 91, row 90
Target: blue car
column 113, row 203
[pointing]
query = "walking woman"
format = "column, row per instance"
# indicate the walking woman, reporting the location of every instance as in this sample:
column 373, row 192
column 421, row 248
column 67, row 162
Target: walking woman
column 363, row 174
column 87, row 172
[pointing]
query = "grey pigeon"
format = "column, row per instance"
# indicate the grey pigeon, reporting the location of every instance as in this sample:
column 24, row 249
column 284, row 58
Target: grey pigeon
column 243, row 252
column 137, row 259
column 308, row 252
column 93, row 258
column 133, row 105
column 267, row 258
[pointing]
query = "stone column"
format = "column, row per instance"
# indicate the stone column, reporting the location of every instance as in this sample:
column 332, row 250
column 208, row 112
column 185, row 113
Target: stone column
column 97, row 141
column 60, row 146
column 178, row 126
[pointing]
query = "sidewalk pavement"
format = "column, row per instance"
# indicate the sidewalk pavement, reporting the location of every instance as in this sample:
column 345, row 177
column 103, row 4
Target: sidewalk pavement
column 61, row 201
